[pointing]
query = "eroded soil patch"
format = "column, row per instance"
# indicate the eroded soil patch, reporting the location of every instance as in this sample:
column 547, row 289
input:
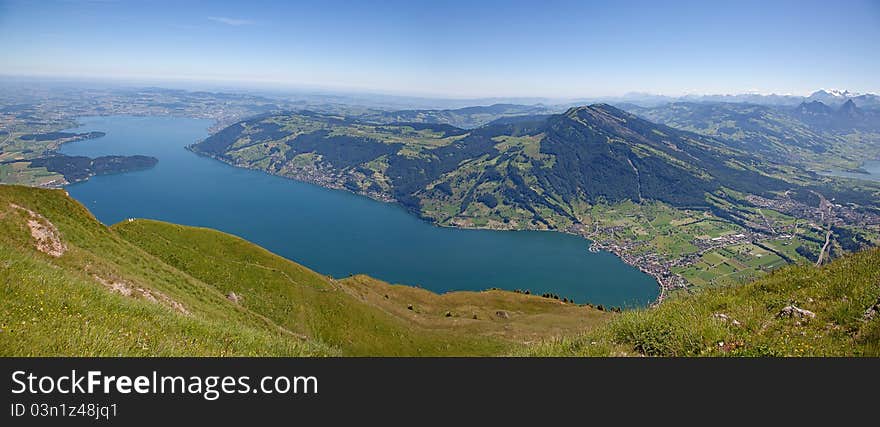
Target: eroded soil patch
column 130, row 290
column 47, row 237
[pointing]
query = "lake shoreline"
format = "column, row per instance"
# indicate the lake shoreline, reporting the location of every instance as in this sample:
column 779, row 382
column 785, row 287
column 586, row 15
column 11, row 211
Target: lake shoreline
column 868, row 170
column 341, row 233
column 664, row 279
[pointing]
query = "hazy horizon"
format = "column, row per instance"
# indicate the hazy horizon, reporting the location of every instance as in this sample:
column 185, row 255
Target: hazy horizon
column 268, row 89
column 560, row 50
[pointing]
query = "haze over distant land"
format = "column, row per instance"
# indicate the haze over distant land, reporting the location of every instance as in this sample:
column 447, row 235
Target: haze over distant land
column 487, row 49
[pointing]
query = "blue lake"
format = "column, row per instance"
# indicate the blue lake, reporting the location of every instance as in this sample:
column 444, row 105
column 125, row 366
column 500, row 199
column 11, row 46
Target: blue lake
column 336, row 232
column 872, row 167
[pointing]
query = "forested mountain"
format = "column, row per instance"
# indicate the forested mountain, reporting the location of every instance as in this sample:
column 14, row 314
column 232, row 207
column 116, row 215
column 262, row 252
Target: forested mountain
column 521, row 170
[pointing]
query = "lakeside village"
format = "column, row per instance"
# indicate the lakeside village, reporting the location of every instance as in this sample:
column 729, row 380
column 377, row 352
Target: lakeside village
column 821, row 217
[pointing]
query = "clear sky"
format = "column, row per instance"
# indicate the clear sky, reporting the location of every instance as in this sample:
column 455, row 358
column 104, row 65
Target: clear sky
column 467, row 48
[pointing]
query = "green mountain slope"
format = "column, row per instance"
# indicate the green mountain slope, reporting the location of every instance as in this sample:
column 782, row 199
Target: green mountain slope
column 524, row 170
column 812, row 134
column 842, row 301
column 689, row 209
column 72, row 286
column 65, row 305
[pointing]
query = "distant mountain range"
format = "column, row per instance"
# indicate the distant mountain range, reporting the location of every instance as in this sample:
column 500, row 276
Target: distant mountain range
column 837, row 97
column 830, row 97
column 479, row 115
column 846, row 116
column 809, row 134
column 833, row 97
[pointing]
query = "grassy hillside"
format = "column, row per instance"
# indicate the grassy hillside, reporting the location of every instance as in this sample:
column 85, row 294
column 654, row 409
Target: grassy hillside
column 56, row 306
column 750, row 320
column 72, row 286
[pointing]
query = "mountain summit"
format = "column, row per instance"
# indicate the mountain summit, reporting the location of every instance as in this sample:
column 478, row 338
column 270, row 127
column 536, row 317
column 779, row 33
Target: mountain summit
column 814, row 108
column 532, row 170
column 849, row 109
column 603, row 152
column 837, row 93
column 847, row 116
column 836, row 97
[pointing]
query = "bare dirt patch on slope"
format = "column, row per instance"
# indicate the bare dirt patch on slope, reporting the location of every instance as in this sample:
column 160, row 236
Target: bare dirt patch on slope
column 129, row 290
column 47, row 237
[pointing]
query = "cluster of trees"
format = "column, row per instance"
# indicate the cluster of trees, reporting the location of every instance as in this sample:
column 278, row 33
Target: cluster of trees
column 556, row 297
column 601, row 307
column 549, row 295
column 78, row 168
column 442, row 128
column 733, row 217
column 411, row 174
column 488, row 200
column 444, row 188
column 341, row 151
column 806, row 253
column 49, row 136
column 267, row 131
column 859, row 195
column 849, row 240
column 218, row 143
column 259, row 130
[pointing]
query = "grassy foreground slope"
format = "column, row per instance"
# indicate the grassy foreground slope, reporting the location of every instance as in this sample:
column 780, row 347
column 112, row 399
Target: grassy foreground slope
column 71, row 286
column 751, row 320
column 76, row 303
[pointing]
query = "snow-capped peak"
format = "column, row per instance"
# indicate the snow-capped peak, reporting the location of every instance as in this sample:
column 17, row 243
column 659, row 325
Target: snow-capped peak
column 837, row 93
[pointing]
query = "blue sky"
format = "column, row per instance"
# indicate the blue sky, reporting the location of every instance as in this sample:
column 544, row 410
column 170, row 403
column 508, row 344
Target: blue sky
column 471, row 48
